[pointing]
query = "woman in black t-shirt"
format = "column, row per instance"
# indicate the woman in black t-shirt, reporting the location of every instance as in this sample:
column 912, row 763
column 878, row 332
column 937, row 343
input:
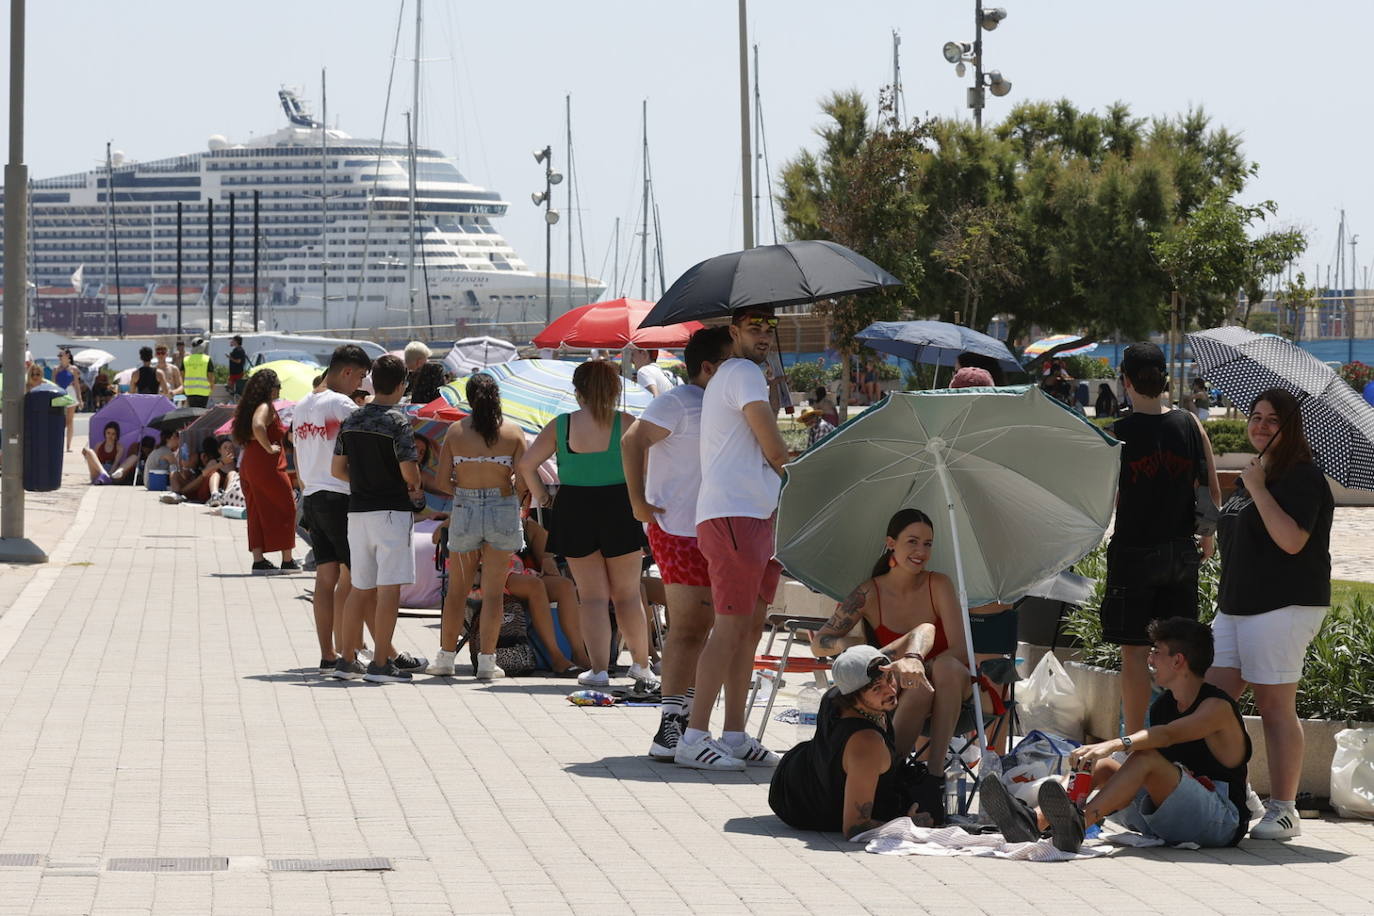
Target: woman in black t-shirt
column 1275, row 589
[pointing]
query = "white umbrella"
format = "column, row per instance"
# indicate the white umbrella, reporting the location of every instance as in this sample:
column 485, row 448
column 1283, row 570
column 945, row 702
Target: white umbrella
column 92, row 358
column 473, row 353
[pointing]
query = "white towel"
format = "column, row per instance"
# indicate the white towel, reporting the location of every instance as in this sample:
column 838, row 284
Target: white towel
column 901, row 837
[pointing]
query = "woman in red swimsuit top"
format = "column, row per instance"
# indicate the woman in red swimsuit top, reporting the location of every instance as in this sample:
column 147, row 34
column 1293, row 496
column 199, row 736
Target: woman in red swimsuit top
column 913, row 615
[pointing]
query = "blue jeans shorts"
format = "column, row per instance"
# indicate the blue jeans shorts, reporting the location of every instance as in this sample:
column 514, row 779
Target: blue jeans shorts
column 1191, row 814
column 480, row 517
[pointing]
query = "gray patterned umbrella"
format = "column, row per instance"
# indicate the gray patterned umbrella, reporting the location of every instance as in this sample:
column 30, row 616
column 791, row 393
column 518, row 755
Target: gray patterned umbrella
column 1338, row 423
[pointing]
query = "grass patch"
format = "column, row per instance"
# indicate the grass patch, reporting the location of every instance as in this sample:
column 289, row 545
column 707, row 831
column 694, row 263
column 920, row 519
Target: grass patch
column 1344, row 591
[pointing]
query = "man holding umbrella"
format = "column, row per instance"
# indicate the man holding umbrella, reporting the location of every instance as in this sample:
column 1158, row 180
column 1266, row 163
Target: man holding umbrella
column 742, row 454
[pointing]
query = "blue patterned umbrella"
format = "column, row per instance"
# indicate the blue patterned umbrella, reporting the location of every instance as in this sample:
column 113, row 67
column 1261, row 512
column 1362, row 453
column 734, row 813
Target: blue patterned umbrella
column 1339, row 425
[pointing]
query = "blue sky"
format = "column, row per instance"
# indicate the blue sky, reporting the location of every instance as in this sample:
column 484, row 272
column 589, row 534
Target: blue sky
column 159, row 77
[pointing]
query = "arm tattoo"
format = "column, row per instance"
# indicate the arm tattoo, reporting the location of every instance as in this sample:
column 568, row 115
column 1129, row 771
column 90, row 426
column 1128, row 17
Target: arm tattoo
column 865, row 821
column 844, row 618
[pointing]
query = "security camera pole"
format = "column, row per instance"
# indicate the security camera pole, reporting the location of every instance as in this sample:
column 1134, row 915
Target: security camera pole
column 961, row 52
column 977, row 95
column 14, row 547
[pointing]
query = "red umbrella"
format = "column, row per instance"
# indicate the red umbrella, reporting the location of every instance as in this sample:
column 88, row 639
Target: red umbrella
column 441, row 409
column 613, row 324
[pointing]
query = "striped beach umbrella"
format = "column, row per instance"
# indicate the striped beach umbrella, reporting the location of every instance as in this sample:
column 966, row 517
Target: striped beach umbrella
column 534, row 391
column 1054, row 340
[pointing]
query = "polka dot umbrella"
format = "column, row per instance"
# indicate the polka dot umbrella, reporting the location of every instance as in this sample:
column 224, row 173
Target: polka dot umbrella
column 1338, row 423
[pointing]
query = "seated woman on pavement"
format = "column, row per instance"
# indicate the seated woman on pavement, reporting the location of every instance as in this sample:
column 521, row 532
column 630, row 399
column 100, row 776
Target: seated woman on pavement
column 912, row 614
column 1184, row 778
column 162, row 462
column 227, row 473
column 850, row 777
column 109, row 462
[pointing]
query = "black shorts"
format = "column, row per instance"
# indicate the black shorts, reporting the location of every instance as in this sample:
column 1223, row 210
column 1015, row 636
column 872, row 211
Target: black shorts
column 591, row 519
column 326, row 515
column 1145, row 584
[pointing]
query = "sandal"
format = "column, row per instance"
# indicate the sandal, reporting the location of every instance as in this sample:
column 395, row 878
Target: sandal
column 570, row 671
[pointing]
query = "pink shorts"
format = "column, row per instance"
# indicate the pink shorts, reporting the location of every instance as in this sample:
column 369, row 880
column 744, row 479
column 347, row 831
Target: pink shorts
column 739, row 557
column 679, row 559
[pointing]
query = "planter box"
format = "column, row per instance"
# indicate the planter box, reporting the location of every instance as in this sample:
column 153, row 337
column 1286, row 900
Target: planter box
column 1100, row 691
column 1316, row 758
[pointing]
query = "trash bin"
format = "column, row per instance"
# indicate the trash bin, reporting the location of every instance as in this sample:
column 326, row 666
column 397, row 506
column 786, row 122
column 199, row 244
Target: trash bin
column 44, row 428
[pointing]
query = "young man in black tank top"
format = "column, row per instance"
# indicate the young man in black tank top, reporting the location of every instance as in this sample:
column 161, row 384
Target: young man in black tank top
column 1184, row 777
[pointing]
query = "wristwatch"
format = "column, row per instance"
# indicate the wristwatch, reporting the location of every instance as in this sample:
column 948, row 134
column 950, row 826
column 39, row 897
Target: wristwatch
column 1126, row 743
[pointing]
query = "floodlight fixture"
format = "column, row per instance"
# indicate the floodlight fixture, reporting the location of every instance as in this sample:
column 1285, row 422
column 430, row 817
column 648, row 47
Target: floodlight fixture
column 955, row 51
column 992, row 17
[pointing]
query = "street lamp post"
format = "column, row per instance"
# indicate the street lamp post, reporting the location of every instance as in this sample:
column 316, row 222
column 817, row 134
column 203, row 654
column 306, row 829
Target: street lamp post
column 960, row 53
column 545, row 198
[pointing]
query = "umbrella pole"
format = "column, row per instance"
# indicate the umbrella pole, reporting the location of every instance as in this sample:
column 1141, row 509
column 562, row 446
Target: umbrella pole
column 943, row 471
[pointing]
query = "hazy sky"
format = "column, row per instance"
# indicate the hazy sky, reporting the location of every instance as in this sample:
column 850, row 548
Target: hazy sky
column 158, row 77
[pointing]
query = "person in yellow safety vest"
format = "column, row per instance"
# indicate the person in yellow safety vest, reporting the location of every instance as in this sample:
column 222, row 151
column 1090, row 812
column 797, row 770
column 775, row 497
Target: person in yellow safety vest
column 198, row 372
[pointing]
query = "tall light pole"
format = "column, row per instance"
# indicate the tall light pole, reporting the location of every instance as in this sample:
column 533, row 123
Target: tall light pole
column 545, row 198
column 14, row 547
column 960, row 53
column 744, row 153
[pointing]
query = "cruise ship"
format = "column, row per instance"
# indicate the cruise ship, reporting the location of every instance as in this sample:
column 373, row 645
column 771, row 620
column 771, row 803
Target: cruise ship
column 343, row 261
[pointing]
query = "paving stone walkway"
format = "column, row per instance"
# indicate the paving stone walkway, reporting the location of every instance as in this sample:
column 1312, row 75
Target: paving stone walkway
column 159, row 701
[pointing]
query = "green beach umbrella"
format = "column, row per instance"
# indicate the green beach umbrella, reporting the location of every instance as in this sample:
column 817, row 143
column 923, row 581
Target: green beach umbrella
column 1018, row 486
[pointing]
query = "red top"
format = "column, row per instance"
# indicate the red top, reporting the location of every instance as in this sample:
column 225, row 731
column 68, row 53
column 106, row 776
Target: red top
column 886, row 636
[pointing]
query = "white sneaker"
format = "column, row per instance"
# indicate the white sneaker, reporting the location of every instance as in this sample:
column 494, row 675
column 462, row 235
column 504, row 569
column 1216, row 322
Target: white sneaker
column 594, row 679
column 645, row 681
column 365, row 654
column 753, row 753
column 1252, row 802
column 706, row 754
column 1277, row 824
column 442, row 666
column 487, row 669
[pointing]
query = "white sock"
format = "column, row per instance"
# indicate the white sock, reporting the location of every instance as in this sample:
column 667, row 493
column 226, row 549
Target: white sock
column 734, row 739
column 693, row 735
column 1283, row 805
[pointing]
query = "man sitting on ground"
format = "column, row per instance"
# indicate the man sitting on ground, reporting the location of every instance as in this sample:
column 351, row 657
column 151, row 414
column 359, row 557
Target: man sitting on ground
column 1184, row 777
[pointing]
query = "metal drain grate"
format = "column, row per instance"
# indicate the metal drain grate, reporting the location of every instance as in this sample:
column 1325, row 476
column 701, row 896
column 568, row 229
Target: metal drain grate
column 374, row 864
column 20, row 859
column 205, row 863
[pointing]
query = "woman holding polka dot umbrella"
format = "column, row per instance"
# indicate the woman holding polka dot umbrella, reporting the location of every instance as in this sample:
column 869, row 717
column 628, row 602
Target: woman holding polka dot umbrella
column 1275, row 533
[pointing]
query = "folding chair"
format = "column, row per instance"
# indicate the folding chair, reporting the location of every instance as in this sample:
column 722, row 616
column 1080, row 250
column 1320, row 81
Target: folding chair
column 779, row 665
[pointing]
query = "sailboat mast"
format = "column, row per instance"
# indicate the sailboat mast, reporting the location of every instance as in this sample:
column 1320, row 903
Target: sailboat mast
column 745, row 175
column 615, row 271
column 896, row 77
column 758, row 143
column 412, row 134
column 644, row 239
column 324, row 209
column 567, row 101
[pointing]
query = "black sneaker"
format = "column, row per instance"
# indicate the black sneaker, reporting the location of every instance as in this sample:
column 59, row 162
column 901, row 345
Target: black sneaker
column 664, row 745
column 290, row 566
column 1013, row 817
column 264, row 568
column 347, row 671
column 411, row 664
column 1066, row 821
column 327, row 665
column 386, row 673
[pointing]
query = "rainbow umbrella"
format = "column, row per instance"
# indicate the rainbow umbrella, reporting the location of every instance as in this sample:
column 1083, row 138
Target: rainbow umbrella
column 534, row 391
column 1054, row 340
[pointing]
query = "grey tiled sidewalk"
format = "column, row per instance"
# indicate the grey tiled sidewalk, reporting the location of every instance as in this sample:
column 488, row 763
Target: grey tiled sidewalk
column 153, row 704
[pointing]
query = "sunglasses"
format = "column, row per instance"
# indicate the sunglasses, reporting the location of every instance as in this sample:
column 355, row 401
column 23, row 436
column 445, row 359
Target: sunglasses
column 760, row 324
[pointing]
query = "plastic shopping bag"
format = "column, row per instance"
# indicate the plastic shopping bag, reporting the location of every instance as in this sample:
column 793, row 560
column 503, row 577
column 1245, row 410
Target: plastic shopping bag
column 1352, row 773
column 1048, row 701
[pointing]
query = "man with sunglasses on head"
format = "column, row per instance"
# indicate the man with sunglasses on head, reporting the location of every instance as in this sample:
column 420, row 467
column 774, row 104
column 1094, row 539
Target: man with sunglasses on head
column 742, row 455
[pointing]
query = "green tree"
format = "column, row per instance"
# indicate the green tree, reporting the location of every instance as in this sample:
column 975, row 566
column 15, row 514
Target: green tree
column 982, row 249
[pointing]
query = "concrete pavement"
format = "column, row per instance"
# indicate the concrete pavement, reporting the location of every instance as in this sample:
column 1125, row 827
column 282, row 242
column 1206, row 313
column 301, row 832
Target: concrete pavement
column 159, row 701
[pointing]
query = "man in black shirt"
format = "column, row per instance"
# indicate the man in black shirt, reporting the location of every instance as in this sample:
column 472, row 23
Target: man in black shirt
column 1153, row 559
column 1184, row 777
column 375, row 454
column 238, row 363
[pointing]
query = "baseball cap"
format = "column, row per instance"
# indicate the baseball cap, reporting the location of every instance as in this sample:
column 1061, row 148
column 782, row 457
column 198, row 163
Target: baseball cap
column 852, row 670
column 1140, row 356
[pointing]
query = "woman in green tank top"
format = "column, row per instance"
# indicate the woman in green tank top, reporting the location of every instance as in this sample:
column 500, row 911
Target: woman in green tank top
column 593, row 525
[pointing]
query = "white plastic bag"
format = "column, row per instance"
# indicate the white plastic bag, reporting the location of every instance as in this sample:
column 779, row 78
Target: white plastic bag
column 1352, row 773
column 1048, row 702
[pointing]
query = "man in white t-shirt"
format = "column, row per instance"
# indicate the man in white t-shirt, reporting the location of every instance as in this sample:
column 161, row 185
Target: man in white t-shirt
column 314, row 428
column 667, row 439
column 742, row 454
column 648, row 373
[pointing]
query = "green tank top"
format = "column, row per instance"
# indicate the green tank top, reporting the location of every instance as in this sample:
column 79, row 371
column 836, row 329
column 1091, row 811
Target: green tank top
column 589, row 469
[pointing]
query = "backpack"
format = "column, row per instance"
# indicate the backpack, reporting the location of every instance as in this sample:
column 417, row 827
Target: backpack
column 514, row 653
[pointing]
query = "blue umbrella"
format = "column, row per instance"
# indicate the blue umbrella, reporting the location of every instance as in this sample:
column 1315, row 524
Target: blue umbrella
column 134, row 413
column 934, row 342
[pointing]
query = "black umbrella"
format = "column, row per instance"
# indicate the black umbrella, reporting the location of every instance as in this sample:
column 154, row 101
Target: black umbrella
column 1339, row 425
column 178, row 418
column 771, row 276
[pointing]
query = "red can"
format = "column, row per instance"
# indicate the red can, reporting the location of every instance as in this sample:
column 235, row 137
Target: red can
column 1080, row 787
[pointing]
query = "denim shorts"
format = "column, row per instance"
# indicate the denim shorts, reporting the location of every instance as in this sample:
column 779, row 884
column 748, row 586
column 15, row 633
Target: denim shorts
column 480, row 517
column 1191, row 814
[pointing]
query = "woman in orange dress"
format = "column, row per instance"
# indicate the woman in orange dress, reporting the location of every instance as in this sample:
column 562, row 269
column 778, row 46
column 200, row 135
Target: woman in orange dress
column 262, row 474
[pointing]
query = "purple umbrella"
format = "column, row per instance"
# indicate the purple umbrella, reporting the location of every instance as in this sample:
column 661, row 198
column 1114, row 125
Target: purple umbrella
column 134, row 413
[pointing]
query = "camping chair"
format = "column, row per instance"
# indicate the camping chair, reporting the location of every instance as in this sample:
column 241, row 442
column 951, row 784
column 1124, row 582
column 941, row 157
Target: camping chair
column 775, row 667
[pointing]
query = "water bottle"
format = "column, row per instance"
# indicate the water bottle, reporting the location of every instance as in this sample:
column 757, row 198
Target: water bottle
column 808, row 704
column 956, row 789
